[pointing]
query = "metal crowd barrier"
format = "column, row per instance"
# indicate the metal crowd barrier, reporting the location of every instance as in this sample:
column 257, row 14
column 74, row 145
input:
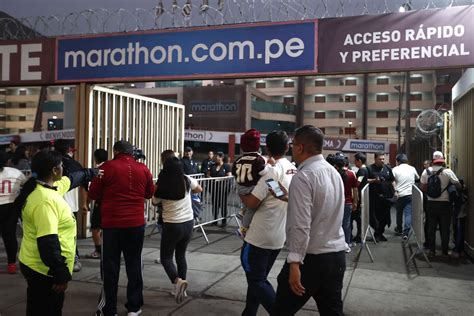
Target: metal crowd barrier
column 219, row 202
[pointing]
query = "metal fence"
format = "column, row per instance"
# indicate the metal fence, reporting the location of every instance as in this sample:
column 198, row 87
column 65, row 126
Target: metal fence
column 184, row 13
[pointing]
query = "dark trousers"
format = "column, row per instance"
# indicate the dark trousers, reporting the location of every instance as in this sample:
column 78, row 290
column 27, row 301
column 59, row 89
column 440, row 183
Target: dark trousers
column 321, row 276
column 8, row 221
column 219, row 204
column 439, row 213
column 379, row 215
column 40, row 298
column 128, row 241
column 459, row 229
column 257, row 263
column 356, row 216
column 175, row 238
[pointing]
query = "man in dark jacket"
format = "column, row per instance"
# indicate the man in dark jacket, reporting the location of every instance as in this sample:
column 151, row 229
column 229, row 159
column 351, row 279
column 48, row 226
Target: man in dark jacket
column 122, row 189
column 189, row 165
column 381, row 192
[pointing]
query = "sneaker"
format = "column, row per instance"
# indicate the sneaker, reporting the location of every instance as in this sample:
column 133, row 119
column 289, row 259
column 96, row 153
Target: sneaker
column 95, row 255
column 11, row 268
column 348, row 250
column 138, row 312
column 181, row 286
column 77, row 266
column 158, row 261
column 173, row 291
column 405, row 237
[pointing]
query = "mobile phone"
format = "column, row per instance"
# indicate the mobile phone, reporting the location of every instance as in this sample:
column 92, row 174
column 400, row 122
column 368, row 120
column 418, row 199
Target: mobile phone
column 272, row 184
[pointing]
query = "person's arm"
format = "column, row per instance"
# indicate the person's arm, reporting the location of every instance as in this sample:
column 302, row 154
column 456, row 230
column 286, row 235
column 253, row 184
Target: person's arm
column 150, row 186
column 298, row 226
column 453, row 179
column 228, row 171
column 49, row 247
column 96, row 189
column 424, row 181
column 195, row 187
column 250, row 201
column 81, row 177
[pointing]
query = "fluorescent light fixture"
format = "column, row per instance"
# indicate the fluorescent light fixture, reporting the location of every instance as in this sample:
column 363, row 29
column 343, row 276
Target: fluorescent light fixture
column 66, row 88
column 132, row 85
column 351, row 78
column 382, row 77
column 288, row 80
column 54, row 117
column 319, row 95
column 190, row 115
column 260, row 81
column 320, row 79
column 416, row 75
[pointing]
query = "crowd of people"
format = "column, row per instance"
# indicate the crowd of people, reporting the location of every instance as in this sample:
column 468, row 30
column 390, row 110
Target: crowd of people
column 312, row 210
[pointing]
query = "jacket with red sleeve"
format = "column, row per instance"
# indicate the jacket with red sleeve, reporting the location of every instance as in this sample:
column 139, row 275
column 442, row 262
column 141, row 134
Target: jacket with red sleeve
column 122, row 188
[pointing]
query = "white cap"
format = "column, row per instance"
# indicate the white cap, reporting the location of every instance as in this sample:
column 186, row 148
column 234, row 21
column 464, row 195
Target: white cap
column 438, row 155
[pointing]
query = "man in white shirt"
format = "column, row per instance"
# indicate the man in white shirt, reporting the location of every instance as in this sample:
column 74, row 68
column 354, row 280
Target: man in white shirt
column 439, row 208
column 316, row 261
column 266, row 234
column 405, row 177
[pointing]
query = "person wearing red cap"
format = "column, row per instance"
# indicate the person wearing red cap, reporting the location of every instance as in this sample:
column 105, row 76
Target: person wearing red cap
column 438, row 207
column 247, row 170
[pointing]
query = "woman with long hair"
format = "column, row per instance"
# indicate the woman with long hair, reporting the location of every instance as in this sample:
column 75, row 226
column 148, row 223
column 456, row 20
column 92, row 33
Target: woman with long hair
column 173, row 190
column 49, row 232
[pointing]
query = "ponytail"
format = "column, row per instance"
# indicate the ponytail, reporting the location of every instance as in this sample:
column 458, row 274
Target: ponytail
column 26, row 190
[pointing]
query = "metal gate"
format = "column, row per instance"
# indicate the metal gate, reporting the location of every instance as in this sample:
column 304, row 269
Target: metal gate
column 104, row 116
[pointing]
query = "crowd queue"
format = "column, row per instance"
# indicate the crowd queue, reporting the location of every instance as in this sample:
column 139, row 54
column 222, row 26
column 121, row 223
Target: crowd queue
column 309, row 205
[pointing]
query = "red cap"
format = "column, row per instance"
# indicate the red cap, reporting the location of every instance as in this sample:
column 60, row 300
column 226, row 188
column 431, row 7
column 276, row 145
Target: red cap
column 250, row 140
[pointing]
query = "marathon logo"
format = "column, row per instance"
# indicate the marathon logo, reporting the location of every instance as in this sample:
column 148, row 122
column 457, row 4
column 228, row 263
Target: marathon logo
column 214, row 106
column 367, row 146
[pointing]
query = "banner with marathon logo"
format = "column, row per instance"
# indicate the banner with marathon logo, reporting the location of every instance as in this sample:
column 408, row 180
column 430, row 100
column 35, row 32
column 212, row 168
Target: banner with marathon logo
column 427, row 39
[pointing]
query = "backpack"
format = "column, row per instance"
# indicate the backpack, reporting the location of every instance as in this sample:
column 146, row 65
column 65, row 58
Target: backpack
column 434, row 184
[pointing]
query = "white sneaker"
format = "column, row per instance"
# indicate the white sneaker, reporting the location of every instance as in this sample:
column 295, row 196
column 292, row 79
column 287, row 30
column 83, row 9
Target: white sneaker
column 158, row 261
column 77, row 266
column 138, row 312
column 173, row 291
column 181, row 286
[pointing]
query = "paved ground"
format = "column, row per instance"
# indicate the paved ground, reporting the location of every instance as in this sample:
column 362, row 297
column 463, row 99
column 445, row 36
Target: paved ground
column 217, row 283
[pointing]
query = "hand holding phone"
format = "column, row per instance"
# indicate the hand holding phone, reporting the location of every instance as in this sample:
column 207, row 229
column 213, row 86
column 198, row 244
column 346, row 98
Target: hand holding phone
column 275, row 187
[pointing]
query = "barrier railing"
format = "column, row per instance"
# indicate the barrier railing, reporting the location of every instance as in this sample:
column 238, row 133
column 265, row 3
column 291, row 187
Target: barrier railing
column 219, row 202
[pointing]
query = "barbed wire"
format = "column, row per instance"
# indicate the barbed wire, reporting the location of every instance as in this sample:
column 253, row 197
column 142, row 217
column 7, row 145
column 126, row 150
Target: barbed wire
column 186, row 13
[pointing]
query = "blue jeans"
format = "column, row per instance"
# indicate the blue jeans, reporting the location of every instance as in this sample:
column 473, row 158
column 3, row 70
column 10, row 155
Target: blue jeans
column 404, row 207
column 346, row 223
column 257, row 263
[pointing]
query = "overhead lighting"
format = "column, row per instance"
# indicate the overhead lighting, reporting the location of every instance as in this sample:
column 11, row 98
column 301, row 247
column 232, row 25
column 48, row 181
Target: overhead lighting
column 54, row 117
column 416, row 75
column 351, row 78
column 132, row 85
column 288, row 80
column 190, row 115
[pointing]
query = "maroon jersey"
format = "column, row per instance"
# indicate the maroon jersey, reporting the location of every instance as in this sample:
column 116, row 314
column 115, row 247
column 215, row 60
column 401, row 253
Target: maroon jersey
column 247, row 167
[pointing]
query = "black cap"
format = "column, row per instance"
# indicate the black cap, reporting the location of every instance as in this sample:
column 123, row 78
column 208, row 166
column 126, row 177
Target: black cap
column 402, row 158
column 187, row 149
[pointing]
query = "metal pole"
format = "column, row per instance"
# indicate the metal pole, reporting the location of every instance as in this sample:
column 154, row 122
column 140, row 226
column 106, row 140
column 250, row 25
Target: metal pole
column 407, row 117
column 399, row 127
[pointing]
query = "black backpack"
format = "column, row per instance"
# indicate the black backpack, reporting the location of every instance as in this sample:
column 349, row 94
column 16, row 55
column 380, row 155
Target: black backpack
column 434, row 184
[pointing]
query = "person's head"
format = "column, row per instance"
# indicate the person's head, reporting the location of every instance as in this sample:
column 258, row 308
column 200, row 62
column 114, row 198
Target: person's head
column 64, row 146
column 308, row 141
column 167, row 154
column 210, row 154
column 438, row 158
column 359, row 159
column 277, row 143
column 20, row 153
column 188, row 152
column 172, row 183
column 339, row 163
column 47, row 165
column 219, row 158
column 426, row 164
column 13, row 145
column 331, row 159
column 379, row 159
column 401, row 158
column 123, row 147
column 100, row 156
column 250, row 141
